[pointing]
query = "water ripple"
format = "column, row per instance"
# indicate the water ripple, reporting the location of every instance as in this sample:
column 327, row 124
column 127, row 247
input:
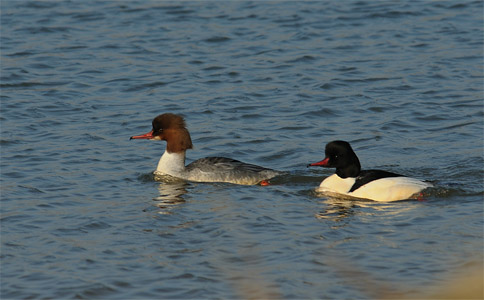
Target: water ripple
column 82, row 215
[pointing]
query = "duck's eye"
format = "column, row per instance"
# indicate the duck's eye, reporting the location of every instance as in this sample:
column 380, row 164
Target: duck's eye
column 157, row 131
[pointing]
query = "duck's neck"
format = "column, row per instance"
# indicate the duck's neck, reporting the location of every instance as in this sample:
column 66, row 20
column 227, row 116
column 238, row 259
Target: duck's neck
column 171, row 163
column 351, row 170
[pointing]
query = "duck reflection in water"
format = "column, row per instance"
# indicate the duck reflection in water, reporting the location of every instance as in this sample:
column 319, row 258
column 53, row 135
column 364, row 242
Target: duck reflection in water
column 171, row 192
column 339, row 208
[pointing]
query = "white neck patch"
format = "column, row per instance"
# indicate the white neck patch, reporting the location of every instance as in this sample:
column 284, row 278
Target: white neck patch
column 171, row 163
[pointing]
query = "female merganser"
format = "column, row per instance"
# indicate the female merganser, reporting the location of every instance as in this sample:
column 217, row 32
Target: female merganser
column 350, row 180
column 171, row 128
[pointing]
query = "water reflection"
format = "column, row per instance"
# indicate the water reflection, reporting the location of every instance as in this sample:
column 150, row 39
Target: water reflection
column 340, row 207
column 171, row 192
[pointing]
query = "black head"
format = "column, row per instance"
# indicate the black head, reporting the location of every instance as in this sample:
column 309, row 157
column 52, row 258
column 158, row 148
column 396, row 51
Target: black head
column 341, row 156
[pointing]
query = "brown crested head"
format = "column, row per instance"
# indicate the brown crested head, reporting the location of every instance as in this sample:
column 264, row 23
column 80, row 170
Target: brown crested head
column 171, row 128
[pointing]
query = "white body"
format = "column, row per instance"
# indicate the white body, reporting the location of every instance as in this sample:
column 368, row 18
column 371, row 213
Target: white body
column 384, row 189
column 212, row 169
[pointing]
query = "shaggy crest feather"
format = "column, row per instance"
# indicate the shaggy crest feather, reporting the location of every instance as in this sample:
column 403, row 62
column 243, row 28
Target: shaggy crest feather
column 171, row 128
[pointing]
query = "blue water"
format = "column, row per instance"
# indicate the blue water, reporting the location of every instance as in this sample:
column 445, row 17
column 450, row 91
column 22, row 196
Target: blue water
column 268, row 83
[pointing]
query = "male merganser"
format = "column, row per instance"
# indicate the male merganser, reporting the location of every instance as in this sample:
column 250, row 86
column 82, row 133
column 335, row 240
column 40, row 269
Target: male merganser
column 171, row 128
column 350, row 180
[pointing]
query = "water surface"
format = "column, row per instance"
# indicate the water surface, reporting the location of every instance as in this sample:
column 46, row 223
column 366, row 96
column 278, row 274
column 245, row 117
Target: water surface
column 268, row 83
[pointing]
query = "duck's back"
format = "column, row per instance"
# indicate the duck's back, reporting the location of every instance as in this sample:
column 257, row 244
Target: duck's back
column 222, row 169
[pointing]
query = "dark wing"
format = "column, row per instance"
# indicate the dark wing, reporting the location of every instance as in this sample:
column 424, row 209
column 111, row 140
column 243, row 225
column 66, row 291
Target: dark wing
column 211, row 164
column 369, row 175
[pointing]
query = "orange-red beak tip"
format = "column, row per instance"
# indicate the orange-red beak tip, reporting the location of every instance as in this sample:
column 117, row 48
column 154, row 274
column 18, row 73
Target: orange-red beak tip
column 323, row 163
column 145, row 136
